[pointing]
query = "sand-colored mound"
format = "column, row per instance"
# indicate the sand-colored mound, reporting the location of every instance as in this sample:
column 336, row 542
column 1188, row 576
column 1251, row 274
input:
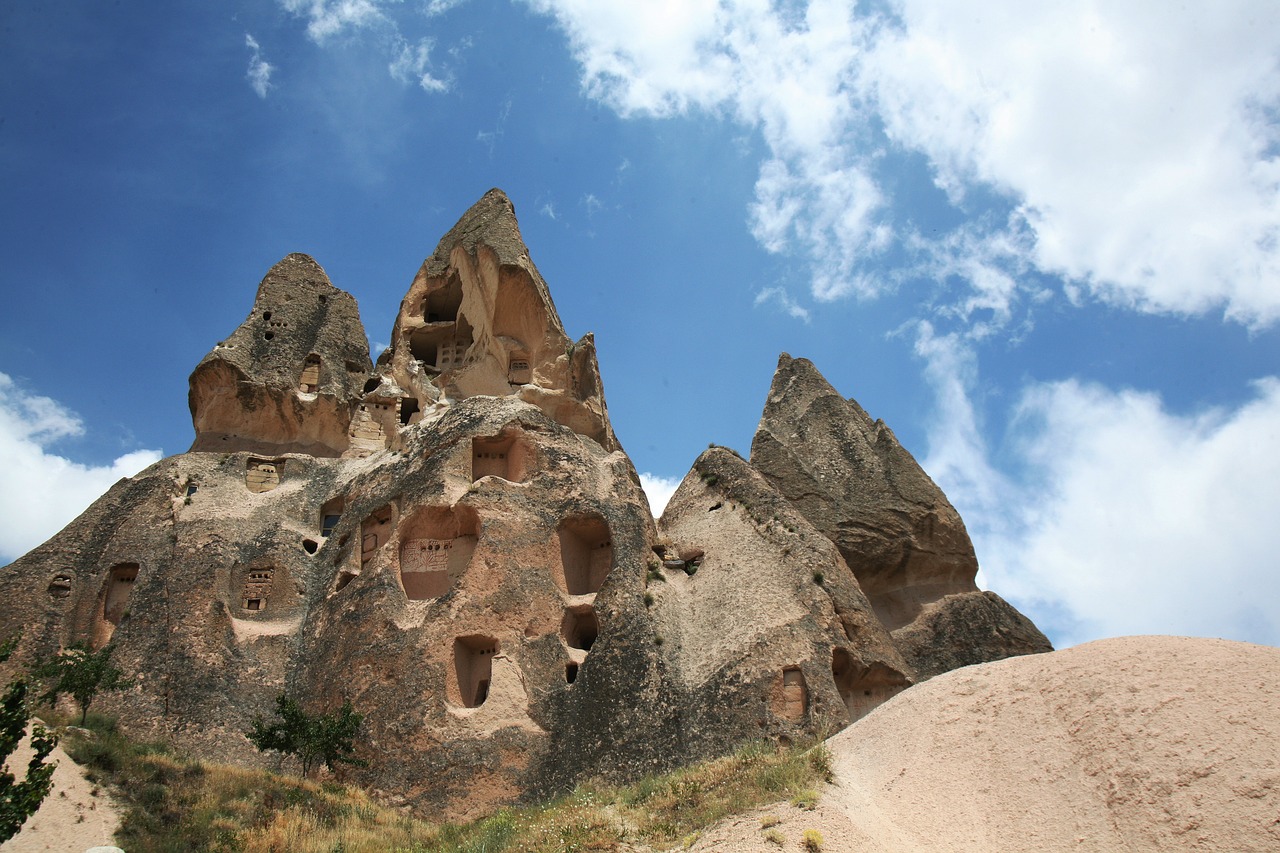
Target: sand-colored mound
column 1140, row 743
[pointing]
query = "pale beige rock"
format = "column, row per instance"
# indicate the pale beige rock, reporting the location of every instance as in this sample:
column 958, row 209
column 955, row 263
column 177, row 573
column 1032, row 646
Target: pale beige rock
column 77, row 814
column 1139, row 743
column 455, row 541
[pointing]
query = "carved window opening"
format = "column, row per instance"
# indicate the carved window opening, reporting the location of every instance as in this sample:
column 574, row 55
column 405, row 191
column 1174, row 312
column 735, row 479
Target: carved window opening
column 372, row 385
column 441, row 305
column 330, row 515
column 408, row 408
column 310, row 546
column 436, row 545
column 863, row 688
column 375, row 532
column 791, row 695
column 256, row 589
column 191, row 488
column 586, row 554
column 263, row 475
column 473, row 669
column 580, row 627
column 310, row 379
column 60, row 586
column 570, row 673
column 504, row 457
column 119, row 587
column 518, row 370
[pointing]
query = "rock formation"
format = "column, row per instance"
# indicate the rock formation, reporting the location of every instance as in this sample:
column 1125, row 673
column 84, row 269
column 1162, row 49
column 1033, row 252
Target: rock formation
column 454, row 540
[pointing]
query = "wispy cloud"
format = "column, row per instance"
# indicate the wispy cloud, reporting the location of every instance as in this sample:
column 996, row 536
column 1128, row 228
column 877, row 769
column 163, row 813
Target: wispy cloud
column 412, row 64
column 42, row 490
column 259, row 73
column 779, row 296
column 489, row 138
column 327, row 19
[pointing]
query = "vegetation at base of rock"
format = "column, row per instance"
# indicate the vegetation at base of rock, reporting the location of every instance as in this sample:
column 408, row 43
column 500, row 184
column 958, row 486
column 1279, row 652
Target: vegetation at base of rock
column 175, row 804
column 812, row 841
column 311, row 738
column 80, row 673
column 19, row 800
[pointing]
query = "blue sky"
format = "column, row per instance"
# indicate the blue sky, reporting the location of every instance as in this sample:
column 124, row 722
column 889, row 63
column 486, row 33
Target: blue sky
column 1042, row 244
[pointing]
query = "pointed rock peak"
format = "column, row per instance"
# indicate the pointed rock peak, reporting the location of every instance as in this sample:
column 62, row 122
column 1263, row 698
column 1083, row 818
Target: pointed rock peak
column 759, row 569
column 282, row 381
column 853, row 481
column 491, row 222
column 478, row 320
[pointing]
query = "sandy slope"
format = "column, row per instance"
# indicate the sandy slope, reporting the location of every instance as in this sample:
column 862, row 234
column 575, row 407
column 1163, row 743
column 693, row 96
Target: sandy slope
column 1140, row 743
column 75, row 816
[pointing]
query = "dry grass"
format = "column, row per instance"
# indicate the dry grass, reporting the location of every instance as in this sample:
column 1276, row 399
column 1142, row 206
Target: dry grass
column 178, row 804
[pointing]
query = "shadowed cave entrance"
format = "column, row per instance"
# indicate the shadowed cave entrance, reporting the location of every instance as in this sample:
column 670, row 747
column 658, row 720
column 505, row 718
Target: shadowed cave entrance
column 863, row 688
column 472, row 670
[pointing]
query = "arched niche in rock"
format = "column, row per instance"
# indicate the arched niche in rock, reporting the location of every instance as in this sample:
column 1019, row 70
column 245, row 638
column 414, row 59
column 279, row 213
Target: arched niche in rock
column 863, row 688
column 586, row 554
column 507, row 456
column 113, row 601
column 580, row 627
column 468, row 684
column 436, row 544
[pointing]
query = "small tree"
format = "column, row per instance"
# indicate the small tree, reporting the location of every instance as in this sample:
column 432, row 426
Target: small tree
column 81, row 673
column 327, row 738
column 19, row 800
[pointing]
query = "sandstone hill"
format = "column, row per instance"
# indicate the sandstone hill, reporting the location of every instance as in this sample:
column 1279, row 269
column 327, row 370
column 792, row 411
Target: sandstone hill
column 1139, row 743
column 453, row 539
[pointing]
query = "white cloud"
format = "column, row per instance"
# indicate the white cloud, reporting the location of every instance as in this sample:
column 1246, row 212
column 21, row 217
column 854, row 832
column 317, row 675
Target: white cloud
column 411, row 63
column 42, row 491
column 783, row 300
column 1111, row 515
column 1137, row 140
column 1136, row 143
column 548, row 210
column 329, row 18
column 259, row 73
column 658, row 490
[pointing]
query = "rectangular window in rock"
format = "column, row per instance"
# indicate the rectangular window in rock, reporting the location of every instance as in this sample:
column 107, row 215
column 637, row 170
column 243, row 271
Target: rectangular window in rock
column 375, row 532
column 257, row 589
column 518, row 372
column 473, row 669
column 586, row 554
column 310, row 380
column 790, row 699
column 330, row 515
column 263, row 475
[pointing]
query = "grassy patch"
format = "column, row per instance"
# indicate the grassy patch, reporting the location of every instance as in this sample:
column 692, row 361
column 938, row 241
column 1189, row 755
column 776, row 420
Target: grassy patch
column 177, row 804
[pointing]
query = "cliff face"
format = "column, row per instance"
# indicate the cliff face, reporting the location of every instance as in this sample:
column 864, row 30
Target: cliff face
column 454, row 540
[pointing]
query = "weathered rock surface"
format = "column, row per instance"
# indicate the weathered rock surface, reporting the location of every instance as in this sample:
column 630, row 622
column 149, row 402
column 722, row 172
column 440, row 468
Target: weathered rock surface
column 284, row 381
column 906, row 544
column 454, row 540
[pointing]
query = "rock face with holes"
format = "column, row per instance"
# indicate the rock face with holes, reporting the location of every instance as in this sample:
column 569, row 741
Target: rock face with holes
column 286, row 379
column 454, row 540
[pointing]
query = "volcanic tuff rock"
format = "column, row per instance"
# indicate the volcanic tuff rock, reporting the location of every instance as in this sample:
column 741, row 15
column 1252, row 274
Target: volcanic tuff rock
column 454, row 540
